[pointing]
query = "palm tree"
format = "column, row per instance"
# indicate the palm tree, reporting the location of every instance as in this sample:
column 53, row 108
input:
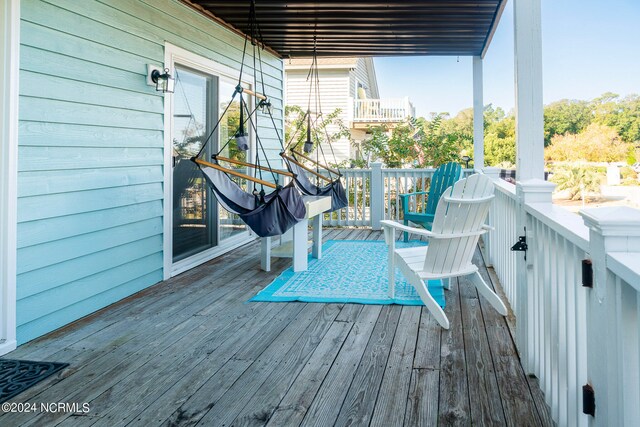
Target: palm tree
column 577, row 180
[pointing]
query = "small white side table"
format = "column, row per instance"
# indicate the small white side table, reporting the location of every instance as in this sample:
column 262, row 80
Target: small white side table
column 294, row 243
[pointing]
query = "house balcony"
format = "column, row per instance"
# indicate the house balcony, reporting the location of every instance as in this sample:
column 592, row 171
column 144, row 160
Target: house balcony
column 373, row 112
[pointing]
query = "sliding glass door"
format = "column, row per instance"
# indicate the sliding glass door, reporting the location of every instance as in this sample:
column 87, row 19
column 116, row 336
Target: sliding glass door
column 199, row 224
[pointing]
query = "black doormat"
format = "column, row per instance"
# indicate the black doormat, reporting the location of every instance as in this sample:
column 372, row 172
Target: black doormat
column 18, row 375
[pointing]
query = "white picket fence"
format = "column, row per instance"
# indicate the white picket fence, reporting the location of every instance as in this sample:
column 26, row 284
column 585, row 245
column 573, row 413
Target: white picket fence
column 569, row 335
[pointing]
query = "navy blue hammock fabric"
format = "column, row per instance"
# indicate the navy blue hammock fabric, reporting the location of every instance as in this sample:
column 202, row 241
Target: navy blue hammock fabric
column 334, row 189
column 272, row 215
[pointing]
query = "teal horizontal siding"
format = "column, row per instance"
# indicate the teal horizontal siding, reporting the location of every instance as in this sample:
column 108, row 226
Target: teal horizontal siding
column 72, row 23
column 53, row 205
column 45, row 303
column 67, row 158
column 51, row 229
column 47, row 62
column 91, row 148
column 37, row 183
column 30, row 330
column 62, row 273
column 54, row 111
column 66, row 44
column 171, row 21
column 62, row 89
column 50, row 253
column 43, row 134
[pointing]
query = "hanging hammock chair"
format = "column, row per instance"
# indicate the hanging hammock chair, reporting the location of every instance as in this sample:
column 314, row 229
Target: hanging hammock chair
column 266, row 214
column 328, row 183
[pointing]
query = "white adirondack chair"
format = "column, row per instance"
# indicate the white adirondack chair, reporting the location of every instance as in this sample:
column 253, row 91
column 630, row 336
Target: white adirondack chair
column 457, row 226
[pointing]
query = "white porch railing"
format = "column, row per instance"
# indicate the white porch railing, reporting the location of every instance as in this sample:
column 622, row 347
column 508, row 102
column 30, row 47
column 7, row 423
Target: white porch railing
column 569, row 335
column 502, row 216
column 382, row 110
column 358, row 212
column 373, row 194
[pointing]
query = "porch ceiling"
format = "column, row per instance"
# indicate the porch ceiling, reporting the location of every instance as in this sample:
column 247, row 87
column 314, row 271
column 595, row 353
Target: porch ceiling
column 365, row 28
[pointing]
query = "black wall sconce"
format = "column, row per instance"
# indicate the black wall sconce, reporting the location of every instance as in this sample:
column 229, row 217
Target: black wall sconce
column 163, row 80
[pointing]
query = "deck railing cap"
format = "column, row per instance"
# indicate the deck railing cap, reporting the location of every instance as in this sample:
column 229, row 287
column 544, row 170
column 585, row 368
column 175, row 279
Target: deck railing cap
column 535, row 190
column 613, row 221
column 491, row 172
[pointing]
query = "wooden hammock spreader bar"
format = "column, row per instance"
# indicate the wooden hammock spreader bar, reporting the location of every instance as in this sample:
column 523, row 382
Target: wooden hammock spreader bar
column 238, row 174
column 256, row 94
column 254, row 166
column 319, row 164
column 305, row 167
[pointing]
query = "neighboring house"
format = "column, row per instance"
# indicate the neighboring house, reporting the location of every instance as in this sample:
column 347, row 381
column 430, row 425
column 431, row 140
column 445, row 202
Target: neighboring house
column 92, row 143
column 349, row 84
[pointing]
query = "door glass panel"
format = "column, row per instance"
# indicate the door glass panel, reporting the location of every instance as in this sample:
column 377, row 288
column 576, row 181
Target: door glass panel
column 194, row 207
column 231, row 224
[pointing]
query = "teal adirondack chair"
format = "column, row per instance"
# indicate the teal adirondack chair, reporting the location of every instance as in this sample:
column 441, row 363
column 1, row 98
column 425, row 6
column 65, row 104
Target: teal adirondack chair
column 424, row 207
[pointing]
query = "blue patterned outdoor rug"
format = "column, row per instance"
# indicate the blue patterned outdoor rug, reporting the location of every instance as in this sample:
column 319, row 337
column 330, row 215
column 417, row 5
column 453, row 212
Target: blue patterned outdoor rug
column 350, row 271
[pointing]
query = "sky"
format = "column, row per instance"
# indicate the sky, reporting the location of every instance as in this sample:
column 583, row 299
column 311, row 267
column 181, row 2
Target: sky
column 589, row 47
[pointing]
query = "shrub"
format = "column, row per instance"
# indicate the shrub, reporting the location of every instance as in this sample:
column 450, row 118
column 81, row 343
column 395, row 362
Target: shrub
column 630, row 182
column 576, row 180
column 628, row 173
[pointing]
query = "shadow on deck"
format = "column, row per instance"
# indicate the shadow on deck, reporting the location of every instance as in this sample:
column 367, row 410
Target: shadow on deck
column 192, row 351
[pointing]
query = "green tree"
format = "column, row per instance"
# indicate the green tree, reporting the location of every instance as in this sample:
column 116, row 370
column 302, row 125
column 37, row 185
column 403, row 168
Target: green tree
column 499, row 137
column 597, row 143
column 324, row 130
column 418, row 142
column 566, row 116
column 622, row 114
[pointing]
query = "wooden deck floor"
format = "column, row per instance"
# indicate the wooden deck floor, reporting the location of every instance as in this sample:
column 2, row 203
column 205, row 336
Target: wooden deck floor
column 191, row 351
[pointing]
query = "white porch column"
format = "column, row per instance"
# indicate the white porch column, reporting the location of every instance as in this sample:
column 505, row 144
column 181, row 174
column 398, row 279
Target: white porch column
column 9, row 72
column 478, row 115
column 528, row 79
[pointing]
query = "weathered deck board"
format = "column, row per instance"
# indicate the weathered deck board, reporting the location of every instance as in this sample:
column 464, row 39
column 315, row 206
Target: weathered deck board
column 487, row 407
column 326, row 406
column 191, row 351
column 394, row 391
column 454, row 403
column 360, row 401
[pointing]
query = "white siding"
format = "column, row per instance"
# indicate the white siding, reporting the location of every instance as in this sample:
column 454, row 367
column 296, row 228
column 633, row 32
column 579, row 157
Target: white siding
column 334, row 93
column 361, row 73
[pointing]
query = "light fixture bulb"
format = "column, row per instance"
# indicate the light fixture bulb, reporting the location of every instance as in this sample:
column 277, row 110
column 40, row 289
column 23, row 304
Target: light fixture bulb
column 308, row 146
column 242, row 141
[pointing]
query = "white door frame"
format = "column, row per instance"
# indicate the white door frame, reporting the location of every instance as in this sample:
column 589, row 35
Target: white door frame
column 172, row 55
column 9, row 76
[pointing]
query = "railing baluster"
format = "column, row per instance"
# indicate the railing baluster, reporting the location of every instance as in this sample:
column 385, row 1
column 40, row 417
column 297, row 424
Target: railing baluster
column 562, row 284
column 553, row 335
column 363, row 199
